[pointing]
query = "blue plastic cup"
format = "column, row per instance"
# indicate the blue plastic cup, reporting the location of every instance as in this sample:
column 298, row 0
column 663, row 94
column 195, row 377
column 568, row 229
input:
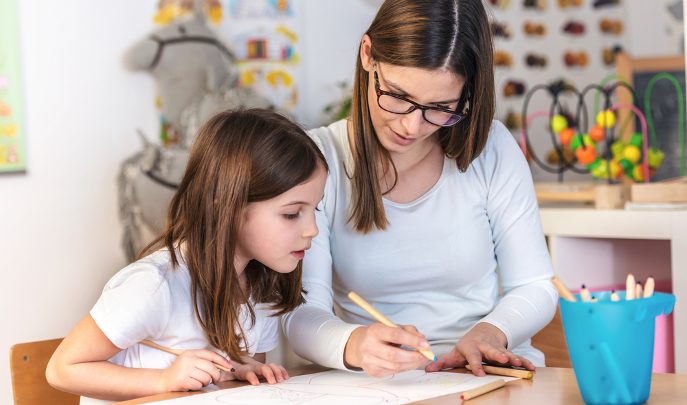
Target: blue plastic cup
column 611, row 345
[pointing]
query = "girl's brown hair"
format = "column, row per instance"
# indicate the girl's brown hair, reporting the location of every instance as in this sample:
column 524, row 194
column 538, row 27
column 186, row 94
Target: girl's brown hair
column 427, row 34
column 239, row 157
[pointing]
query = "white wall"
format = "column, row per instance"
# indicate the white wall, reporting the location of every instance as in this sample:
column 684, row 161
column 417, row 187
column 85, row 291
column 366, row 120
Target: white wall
column 330, row 46
column 59, row 231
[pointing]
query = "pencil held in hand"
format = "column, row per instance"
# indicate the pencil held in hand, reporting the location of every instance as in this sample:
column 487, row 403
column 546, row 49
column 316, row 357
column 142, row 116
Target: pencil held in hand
column 178, row 352
column 359, row 301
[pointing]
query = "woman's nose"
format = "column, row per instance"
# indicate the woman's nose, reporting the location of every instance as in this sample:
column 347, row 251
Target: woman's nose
column 412, row 122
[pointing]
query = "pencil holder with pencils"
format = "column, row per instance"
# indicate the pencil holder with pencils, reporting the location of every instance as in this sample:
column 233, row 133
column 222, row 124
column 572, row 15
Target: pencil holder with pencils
column 611, row 345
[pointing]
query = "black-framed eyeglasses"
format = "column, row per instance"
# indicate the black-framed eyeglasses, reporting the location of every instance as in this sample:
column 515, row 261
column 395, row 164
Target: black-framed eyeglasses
column 398, row 104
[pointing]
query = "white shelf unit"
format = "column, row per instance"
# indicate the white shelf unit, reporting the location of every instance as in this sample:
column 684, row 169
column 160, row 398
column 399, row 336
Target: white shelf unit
column 599, row 247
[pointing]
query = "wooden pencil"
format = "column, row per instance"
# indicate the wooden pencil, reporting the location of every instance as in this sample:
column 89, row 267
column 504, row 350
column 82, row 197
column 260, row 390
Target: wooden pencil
column 630, row 287
column 177, row 352
column 649, row 287
column 505, row 371
column 494, row 385
column 585, row 295
column 562, row 289
column 358, row 300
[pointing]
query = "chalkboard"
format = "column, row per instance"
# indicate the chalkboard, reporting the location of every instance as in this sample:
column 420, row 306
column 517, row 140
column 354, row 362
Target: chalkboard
column 664, row 103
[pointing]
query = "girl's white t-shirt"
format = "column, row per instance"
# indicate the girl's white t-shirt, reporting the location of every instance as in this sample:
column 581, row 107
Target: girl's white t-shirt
column 150, row 299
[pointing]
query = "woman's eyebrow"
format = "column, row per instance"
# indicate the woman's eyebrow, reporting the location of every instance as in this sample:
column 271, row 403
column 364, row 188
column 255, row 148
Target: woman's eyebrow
column 396, row 88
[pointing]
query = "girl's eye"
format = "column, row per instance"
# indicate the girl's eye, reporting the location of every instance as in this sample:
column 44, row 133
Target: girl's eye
column 291, row 216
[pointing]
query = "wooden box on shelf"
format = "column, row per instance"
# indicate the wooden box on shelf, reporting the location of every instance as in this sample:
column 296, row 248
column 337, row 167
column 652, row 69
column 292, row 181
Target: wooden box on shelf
column 666, row 191
column 602, row 196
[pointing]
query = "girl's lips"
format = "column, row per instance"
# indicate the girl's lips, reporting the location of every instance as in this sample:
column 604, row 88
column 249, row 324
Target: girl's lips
column 299, row 254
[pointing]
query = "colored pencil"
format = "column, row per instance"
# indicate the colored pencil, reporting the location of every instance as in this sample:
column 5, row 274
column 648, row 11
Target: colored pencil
column 585, row 295
column 505, row 371
column 177, row 352
column 630, row 287
column 562, row 289
column 649, row 287
column 469, row 394
column 358, row 300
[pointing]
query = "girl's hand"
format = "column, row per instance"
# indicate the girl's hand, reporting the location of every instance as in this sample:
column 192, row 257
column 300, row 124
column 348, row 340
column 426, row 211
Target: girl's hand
column 484, row 342
column 193, row 370
column 253, row 370
column 375, row 349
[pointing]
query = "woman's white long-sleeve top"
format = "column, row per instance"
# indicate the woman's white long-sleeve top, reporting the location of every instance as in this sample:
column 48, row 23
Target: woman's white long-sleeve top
column 470, row 249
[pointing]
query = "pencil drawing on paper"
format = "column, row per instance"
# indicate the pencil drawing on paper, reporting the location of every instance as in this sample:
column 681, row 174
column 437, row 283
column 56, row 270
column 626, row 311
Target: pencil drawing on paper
column 342, row 387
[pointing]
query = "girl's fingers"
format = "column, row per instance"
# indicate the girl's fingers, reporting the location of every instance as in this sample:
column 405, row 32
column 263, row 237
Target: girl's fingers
column 201, row 375
column 211, row 356
column 252, row 378
column 267, row 372
column 211, row 369
column 194, row 381
column 277, row 370
column 284, row 373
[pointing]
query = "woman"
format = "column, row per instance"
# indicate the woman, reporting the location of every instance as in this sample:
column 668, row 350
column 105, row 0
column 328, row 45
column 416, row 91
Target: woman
column 426, row 197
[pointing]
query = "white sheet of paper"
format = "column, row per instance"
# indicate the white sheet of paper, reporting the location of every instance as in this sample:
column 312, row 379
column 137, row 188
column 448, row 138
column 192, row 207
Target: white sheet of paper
column 342, row 387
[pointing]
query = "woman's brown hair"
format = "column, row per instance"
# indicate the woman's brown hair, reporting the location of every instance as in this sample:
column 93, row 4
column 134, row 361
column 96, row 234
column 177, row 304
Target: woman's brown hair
column 239, row 157
column 427, row 34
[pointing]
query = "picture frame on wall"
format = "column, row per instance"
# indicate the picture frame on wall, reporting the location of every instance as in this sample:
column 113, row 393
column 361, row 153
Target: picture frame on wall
column 12, row 134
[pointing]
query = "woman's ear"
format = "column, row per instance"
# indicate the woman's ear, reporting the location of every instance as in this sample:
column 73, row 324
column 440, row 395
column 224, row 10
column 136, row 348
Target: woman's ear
column 366, row 58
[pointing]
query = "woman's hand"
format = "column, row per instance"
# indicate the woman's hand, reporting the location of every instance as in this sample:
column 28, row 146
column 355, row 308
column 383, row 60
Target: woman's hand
column 375, row 349
column 253, row 370
column 484, row 342
column 193, row 370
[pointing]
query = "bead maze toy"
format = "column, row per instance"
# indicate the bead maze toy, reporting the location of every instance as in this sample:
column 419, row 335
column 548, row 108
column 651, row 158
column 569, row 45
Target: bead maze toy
column 613, row 161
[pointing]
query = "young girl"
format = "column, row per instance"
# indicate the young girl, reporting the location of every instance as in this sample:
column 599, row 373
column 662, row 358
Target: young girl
column 213, row 283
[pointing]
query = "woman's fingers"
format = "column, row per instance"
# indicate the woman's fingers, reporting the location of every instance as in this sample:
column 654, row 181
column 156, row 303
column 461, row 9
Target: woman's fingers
column 474, row 358
column 454, row 358
column 398, row 336
column 496, row 354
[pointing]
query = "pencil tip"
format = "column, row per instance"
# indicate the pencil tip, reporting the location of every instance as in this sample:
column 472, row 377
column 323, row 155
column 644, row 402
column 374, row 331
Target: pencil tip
column 435, row 358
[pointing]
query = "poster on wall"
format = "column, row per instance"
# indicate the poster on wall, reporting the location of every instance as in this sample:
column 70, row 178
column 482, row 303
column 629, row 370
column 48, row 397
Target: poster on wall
column 12, row 146
column 265, row 39
column 264, row 36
